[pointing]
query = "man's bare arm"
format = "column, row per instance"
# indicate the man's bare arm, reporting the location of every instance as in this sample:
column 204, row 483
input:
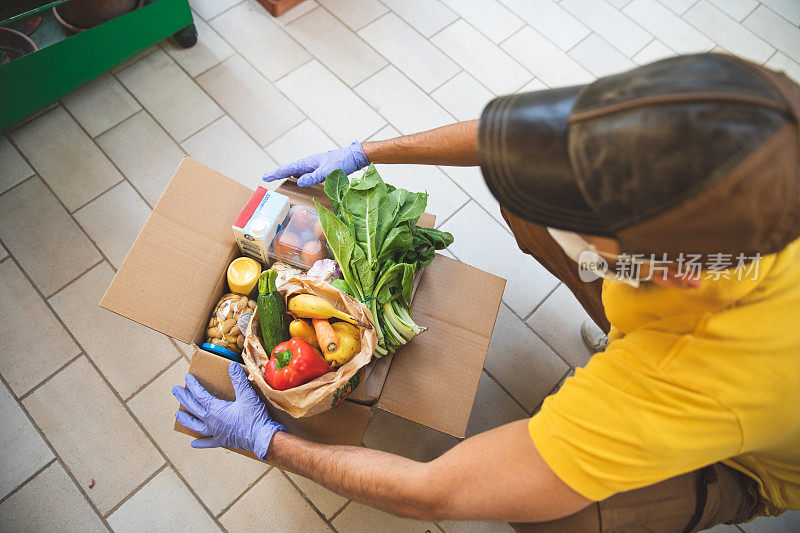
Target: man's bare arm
column 455, row 145
column 497, row 475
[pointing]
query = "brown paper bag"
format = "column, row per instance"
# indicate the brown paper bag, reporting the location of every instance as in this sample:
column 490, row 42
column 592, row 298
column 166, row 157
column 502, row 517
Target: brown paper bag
column 330, row 389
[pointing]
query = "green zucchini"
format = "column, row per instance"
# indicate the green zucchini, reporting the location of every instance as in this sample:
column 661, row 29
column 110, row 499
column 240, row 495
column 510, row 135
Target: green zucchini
column 271, row 312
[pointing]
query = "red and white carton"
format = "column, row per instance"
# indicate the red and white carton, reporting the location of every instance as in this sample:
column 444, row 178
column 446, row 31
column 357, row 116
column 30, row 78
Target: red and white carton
column 259, row 221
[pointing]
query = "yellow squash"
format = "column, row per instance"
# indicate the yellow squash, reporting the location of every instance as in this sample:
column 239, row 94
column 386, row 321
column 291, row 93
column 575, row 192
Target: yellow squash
column 300, row 328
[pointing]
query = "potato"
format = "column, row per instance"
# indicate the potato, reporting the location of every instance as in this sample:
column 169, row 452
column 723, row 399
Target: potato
column 227, row 326
column 212, row 333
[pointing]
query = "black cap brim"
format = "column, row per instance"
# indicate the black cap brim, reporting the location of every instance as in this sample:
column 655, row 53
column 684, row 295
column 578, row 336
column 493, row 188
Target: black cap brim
column 523, row 153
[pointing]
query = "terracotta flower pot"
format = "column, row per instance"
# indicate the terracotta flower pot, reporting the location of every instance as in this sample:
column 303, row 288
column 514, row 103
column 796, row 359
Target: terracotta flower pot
column 14, row 44
column 79, row 15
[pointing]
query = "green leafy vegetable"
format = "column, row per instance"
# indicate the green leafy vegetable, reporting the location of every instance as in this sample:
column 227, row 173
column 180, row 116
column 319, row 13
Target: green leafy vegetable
column 373, row 233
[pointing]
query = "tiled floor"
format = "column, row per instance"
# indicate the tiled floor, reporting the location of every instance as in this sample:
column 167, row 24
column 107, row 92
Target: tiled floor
column 253, row 93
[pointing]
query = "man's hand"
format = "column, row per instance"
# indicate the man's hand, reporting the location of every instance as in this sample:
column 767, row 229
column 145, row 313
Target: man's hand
column 243, row 424
column 315, row 168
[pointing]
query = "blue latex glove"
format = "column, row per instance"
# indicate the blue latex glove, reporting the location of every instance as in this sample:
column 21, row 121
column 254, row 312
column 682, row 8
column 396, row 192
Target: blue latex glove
column 315, row 168
column 243, row 424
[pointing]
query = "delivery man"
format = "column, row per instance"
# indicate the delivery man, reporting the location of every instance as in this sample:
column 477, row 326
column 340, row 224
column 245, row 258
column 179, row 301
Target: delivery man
column 679, row 182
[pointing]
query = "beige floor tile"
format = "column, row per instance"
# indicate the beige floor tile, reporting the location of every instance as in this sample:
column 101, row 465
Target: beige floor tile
column 667, row 27
column 409, row 51
column 48, row 244
column 65, row 157
column 558, row 321
column 3, row 253
column 14, row 168
column 209, row 9
column 471, row 180
column 737, row 9
column 426, row 16
column 788, row 9
column 394, row 434
column 728, row 33
column 172, row 97
column 332, row 105
column 128, row 354
column 783, row 63
column 209, row 50
column 402, row 103
column 481, row 242
column 295, row 13
column 475, row 527
column 493, row 407
column 250, row 99
column 357, row 518
column 482, row 58
column 551, row 20
column 788, row 521
column 549, row 64
column 93, row 433
column 599, row 57
column 139, row 135
column 164, row 502
column 521, row 362
column 386, row 132
column 43, row 352
column 444, row 199
column 49, row 502
column 490, row 17
column 225, row 147
column 302, row 140
column 534, row 85
column 325, row 501
column 186, row 349
column 355, row 13
column 113, row 220
column 617, row 29
column 463, row 97
column 273, row 503
column 723, row 528
column 100, row 104
column 619, row 4
column 134, row 58
column 252, row 32
column 218, row 476
column 679, row 7
column 776, row 30
column 338, row 48
column 654, row 51
column 22, row 449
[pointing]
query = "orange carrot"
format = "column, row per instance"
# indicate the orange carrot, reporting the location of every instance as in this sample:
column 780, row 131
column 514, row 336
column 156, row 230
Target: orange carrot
column 327, row 338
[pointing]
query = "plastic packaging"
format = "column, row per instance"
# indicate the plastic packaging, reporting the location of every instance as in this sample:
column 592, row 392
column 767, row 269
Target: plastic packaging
column 228, row 323
column 300, row 242
column 255, row 227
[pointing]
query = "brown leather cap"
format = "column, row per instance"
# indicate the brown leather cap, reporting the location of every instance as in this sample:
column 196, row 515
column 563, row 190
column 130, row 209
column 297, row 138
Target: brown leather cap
column 693, row 154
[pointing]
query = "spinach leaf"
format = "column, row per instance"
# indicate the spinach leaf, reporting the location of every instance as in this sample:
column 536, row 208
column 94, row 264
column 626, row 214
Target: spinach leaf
column 336, row 185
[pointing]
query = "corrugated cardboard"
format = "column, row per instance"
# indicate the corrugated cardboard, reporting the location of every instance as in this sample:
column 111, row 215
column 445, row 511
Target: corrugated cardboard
column 175, row 273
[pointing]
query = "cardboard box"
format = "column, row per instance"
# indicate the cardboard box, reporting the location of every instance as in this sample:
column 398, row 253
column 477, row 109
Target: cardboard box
column 175, row 273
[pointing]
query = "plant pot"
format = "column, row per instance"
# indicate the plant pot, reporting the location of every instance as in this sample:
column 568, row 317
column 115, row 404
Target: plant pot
column 80, row 15
column 14, row 44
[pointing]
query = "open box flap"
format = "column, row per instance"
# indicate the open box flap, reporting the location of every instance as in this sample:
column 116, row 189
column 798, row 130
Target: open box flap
column 171, row 277
column 345, row 424
column 433, row 379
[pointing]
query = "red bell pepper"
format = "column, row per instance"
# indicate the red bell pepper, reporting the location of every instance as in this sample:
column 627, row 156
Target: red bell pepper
column 293, row 363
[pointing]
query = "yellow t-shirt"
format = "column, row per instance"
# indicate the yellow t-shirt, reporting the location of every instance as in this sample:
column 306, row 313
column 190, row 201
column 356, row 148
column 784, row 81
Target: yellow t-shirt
column 690, row 377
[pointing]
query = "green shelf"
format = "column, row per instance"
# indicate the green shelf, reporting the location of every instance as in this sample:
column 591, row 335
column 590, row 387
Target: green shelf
column 66, row 61
column 13, row 10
